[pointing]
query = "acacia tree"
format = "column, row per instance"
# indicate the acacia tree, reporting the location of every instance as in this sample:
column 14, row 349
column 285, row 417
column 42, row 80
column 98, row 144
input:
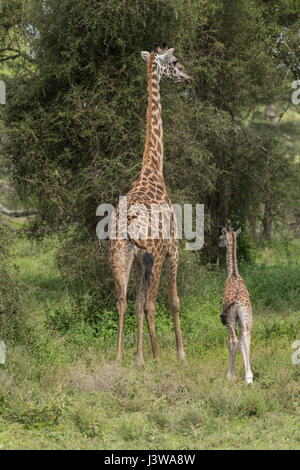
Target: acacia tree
column 76, row 114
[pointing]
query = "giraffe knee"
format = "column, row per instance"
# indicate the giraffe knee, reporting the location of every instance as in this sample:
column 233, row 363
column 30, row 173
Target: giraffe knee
column 174, row 304
column 121, row 305
column 232, row 343
column 150, row 310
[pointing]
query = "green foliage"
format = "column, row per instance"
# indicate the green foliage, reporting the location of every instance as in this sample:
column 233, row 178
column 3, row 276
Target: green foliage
column 61, row 388
column 12, row 292
column 246, row 250
column 272, row 283
column 76, row 117
column 72, row 135
column 34, row 416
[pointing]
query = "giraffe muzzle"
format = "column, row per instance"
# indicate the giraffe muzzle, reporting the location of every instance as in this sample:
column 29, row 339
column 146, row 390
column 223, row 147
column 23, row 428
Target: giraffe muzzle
column 186, row 77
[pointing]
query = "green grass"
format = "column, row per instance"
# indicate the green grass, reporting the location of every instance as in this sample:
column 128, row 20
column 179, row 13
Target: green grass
column 60, row 387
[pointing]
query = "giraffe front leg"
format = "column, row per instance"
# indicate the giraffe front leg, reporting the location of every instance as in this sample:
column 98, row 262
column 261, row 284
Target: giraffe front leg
column 139, row 309
column 171, row 265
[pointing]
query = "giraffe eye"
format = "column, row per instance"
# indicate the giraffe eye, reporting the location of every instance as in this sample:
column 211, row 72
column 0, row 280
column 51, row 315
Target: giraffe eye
column 174, row 62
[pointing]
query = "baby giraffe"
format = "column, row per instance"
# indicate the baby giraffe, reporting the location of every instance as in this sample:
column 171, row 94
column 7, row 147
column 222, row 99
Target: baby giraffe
column 236, row 306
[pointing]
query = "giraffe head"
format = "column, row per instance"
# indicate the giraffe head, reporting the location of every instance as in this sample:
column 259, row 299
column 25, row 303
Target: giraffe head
column 226, row 238
column 168, row 65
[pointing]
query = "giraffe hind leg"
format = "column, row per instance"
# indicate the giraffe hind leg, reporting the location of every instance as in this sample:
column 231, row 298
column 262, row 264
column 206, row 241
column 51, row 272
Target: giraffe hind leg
column 151, row 294
column 244, row 315
column 223, row 314
column 139, row 308
column 171, row 266
column 232, row 340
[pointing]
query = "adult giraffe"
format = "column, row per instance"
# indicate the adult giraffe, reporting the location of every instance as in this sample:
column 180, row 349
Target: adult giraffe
column 148, row 205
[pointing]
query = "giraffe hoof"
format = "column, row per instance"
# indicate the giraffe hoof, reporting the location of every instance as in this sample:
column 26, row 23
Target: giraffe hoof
column 181, row 358
column 230, row 377
column 249, row 380
column 140, row 361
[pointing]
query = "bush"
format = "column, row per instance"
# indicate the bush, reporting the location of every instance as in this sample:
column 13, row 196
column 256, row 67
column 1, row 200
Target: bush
column 12, row 291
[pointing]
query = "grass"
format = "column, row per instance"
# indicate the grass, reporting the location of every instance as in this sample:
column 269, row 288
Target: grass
column 60, row 387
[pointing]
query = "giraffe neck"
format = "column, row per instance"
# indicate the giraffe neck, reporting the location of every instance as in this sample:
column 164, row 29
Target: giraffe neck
column 153, row 153
column 231, row 257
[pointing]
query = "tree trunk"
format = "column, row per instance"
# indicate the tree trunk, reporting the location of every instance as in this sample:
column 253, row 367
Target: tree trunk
column 267, row 224
column 218, row 215
column 222, row 222
column 17, row 213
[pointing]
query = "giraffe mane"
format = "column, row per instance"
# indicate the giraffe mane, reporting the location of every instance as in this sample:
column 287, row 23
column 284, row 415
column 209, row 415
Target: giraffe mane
column 149, row 109
column 234, row 254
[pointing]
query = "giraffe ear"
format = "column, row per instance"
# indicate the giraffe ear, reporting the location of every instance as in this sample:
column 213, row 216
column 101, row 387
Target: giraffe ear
column 224, row 231
column 167, row 54
column 238, row 231
column 170, row 52
column 145, row 55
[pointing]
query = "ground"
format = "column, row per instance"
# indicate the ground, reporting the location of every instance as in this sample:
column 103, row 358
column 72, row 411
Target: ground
column 61, row 389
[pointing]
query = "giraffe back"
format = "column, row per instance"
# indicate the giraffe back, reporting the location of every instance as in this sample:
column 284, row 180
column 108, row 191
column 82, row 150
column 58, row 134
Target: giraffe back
column 236, row 291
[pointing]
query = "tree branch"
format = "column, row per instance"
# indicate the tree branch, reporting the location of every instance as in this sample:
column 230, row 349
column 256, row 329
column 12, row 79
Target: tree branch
column 5, row 187
column 12, row 57
column 17, row 213
column 7, row 224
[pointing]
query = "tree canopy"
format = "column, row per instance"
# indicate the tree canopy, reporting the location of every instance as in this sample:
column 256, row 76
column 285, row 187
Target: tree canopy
column 76, row 111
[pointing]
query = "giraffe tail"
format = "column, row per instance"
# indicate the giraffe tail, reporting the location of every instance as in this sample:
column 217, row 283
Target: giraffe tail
column 148, row 263
column 226, row 307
